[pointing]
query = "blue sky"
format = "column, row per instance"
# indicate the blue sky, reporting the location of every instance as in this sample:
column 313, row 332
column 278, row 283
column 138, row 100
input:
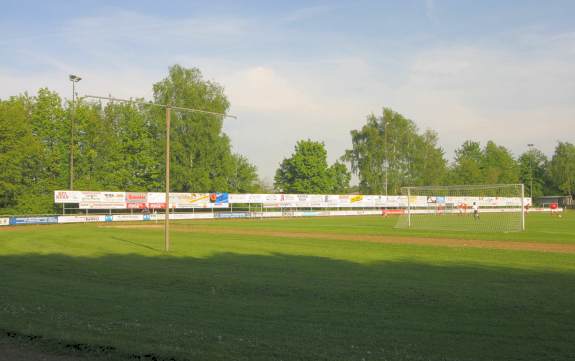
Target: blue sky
column 500, row 70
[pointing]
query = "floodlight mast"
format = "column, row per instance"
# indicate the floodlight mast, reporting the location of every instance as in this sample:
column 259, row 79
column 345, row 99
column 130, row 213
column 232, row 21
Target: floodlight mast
column 74, row 79
column 168, row 108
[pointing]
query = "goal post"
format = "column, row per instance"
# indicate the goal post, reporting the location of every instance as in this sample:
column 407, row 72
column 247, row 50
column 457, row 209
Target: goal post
column 474, row 208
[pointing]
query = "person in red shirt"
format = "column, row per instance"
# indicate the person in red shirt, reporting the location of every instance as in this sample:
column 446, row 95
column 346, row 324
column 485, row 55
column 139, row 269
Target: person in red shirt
column 554, row 208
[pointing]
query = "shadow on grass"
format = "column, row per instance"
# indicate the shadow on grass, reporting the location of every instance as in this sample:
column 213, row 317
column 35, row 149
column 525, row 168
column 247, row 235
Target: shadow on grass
column 283, row 307
column 137, row 244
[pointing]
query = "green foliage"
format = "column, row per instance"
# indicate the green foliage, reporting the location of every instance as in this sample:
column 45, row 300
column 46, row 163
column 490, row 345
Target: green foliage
column 492, row 165
column 307, row 171
column 388, row 153
column 562, row 167
column 533, row 166
column 340, row 177
column 467, row 167
column 20, row 156
column 201, row 153
column 117, row 146
column 498, row 166
column 244, row 178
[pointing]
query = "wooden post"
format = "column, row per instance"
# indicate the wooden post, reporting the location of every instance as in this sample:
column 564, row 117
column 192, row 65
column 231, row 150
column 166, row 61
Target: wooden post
column 167, row 220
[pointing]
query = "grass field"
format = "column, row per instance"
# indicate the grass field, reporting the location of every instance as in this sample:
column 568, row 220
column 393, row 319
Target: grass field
column 349, row 288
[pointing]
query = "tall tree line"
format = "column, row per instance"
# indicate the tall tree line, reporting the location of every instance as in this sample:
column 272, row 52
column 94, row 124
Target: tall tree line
column 389, row 152
column 118, row 146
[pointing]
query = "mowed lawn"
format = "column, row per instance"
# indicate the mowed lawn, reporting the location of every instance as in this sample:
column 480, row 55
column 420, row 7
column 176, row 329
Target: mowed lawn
column 247, row 290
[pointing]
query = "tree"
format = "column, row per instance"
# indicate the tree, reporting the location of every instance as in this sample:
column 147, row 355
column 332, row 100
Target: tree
column 244, row 179
column 429, row 166
column 499, row 166
column 340, row 177
column 388, row 153
column 201, row 154
column 562, row 167
column 306, row 171
column 533, row 166
column 20, row 158
column 467, row 166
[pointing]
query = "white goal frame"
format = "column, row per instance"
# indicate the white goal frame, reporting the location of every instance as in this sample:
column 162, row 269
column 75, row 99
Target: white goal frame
column 514, row 202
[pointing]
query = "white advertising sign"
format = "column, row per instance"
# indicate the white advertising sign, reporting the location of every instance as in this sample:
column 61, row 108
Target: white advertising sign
column 101, row 205
column 80, row 219
column 4, row 221
column 67, row 197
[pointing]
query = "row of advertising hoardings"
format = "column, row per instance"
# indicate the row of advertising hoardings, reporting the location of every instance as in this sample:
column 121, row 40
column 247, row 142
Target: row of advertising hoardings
column 28, row 220
column 140, row 200
column 63, row 219
column 151, row 200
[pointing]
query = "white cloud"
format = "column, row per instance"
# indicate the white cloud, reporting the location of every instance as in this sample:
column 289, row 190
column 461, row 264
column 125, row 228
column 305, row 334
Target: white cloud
column 514, row 95
column 261, row 88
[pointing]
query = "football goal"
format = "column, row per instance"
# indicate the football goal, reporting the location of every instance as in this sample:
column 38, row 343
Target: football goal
column 475, row 208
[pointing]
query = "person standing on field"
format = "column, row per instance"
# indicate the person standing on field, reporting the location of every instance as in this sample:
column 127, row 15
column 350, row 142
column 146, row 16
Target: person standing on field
column 475, row 208
column 554, row 208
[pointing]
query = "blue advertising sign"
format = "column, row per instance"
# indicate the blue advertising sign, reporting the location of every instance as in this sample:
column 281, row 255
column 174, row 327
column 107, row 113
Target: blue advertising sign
column 231, row 214
column 222, row 198
column 33, row 220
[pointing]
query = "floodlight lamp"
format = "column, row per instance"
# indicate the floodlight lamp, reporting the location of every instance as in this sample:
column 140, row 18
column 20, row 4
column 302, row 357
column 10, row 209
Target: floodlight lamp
column 75, row 78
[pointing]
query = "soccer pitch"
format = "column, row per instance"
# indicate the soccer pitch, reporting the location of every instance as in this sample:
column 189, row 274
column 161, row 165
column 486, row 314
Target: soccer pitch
column 350, row 288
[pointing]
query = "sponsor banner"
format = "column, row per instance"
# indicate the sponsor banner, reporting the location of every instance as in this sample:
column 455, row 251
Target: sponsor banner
column 156, row 200
column 189, row 200
column 393, row 211
column 137, row 205
column 33, row 220
column 206, row 215
column 67, row 197
column 220, row 198
column 4, row 221
column 156, row 197
column 232, row 215
column 101, row 205
column 157, row 205
column 126, row 217
column 136, row 197
column 80, row 219
column 239, row 198
column 112, row 197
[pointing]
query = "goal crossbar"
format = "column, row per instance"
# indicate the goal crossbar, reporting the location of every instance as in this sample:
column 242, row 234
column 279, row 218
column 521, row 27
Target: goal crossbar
column 477, row 208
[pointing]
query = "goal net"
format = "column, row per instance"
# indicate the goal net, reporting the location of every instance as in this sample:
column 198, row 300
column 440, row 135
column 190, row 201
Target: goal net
column 475, row 208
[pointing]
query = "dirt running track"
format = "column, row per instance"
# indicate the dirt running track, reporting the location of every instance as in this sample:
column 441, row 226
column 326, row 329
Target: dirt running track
column 439, row 242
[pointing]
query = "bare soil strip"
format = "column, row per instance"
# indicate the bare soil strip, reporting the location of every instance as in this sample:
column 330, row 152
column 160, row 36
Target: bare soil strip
column 441, row 242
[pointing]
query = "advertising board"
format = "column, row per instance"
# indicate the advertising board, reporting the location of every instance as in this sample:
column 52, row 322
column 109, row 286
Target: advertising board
column 4, row 221
column 101, row 205
column 80, row 219
column 232, row 215
column 33, row 220
column 127, row 217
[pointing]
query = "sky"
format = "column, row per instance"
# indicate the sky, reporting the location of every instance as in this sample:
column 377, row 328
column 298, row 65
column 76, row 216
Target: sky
column 478, row 70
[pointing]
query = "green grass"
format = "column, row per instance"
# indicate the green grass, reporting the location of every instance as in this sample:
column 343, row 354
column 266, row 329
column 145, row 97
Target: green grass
column 541, row 228
column 255, row 297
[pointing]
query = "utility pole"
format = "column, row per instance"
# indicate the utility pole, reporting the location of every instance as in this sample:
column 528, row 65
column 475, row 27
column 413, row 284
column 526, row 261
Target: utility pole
column 531, row 169
column 385, row 148
column 167, row 219
column 168, row 108
column 74, row 79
